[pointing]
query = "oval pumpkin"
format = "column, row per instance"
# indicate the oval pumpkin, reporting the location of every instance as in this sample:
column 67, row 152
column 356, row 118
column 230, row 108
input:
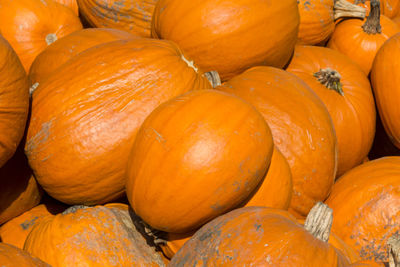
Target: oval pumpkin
column 59, row 52
column 32, row 28
column 229, row 36
column 347, row 94
column 91, row 236
column 86, row 116
column 385, row 80
column 301, row 127
column 11, row 256
column 371, row 215
column 211, row 150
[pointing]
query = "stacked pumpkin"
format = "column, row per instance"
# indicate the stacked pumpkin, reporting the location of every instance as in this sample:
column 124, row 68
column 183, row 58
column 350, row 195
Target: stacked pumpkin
column 198, row 133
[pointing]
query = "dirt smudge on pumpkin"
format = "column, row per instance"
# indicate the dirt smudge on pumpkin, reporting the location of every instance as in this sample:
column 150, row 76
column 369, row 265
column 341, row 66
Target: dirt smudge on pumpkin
column 28, row 223
column 39, row 138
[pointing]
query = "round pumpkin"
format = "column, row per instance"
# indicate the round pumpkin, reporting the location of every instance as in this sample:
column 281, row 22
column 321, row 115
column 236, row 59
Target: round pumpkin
column 91, row 236
column 229, row 36
column 347, row 94
column 14, row 101
column 130, row 15
column 31, row 25
column 59, row 52
column 11, row 256
column 385, row 80
column 211, row 150
column 85, row 117
column 301, row 127
column 371, row 214
column 361, row 40
column 72, row 4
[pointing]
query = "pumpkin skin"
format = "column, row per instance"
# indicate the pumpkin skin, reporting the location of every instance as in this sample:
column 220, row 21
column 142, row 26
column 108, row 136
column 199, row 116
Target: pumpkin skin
column 396, row 20
column 301, row 127
column 91, row 236
column 385, row 80
column 230, row 36
column 14, row 101
column 30, row 29
column 130, row 15
column 11, row 256
column 258, row 236
column 72, row 4
column 136, row 76
column 190, row 146
column 59, row 52
column 372, row 213
column 355, row 108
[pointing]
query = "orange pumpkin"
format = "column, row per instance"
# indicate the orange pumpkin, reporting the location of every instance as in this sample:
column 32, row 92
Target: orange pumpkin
column 11, row 256
column 346, row 92
column 14, row 101
column 91, row 236
column 85, row 117
column 72, row 4
column 229, row 36
column 130, row 15
column 173, row 242
column 361, row 40
column 31, row 28
column 385, row 80
column 301, row 127
column 371, row 192
column 396, row 20
column 213, row 159
column 389, row 8
column 59, row 52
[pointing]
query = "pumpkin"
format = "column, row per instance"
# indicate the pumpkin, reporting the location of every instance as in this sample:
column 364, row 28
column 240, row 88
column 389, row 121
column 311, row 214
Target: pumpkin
column 130, row 15
column 14, row 101
column 360, row 40
column 85, row 116
column 173, row 242
column 260, row 236
column 301, row 127
column 317, row 18
column 371, row 192
column 31, row 28
column 396, row 20
column 16, row 230
column 59, row 52
column 346, row 92
column 211, row 150
column 385, row 80
column 229, row 36
column 91, row 236
column 11, row 256
column 389, row 8
column 72, row 4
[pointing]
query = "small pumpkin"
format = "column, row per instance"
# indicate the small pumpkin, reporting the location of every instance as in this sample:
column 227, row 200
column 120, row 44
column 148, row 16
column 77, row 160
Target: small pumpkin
column 229, row 36
column 207, row 162
column 91, row 236
column 31, row 25
column 59, row 52
column 361, row 40
column 72, row 4
column 11, row 256
column 347, row 94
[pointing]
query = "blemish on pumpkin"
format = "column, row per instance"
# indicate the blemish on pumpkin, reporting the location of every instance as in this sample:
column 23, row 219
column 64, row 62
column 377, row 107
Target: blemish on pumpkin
column 39, row 138
column 33, row 88
column 28, row 223
column 257, row 226
column 159, row 136
column 190, row 63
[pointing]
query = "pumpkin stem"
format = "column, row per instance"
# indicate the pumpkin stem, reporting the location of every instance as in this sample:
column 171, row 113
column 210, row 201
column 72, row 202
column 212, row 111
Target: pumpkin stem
column 319, row 221
column 372, row 25
column 51, row 38
column 331, row 79
column 213, row 77
column 394, row 250
column 345, row 9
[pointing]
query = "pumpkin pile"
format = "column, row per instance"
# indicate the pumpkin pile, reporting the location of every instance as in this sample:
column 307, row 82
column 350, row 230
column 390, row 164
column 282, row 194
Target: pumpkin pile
column 199, row 133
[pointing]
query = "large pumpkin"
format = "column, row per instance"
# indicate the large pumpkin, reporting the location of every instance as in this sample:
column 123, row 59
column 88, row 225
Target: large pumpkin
column 211, row 150
column 229, row 36
column 346, row 92
column 14, row 101
column 85, row 117
column 361, row 40
column 59, row 52
column 366, row 205
column 301, row 127
column 130, row 15
column 91, row 236
column 385, row 80
column 31, row 25
column 11, row 256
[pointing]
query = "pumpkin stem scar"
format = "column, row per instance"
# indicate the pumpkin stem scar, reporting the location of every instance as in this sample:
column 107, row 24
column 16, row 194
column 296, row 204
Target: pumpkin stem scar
column 345, row 9
column 74, row 209
column 372, row 24
column 330, row 78
column 394, row 250
column 213, row 78
column 319, row 221
column 51, row 38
